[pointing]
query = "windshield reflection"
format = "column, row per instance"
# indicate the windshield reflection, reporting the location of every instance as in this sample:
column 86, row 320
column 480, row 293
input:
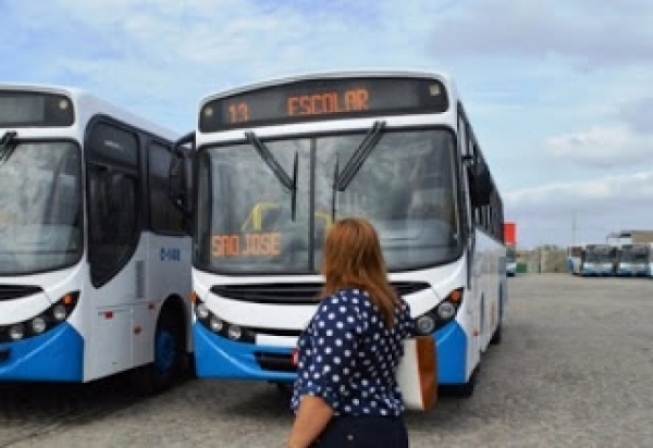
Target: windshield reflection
column 40, row 208
column 405, row 186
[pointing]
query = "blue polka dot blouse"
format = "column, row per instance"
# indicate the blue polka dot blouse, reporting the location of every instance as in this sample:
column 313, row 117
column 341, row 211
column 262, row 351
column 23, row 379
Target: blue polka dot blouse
column 348, row 356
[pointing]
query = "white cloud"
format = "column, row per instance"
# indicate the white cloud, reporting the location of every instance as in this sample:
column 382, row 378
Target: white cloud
column 601, row 146
column 590, row 209
column 606, row 35
column 638, row 114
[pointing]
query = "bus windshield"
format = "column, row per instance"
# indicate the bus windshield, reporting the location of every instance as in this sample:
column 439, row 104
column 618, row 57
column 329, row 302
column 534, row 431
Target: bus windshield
column 635, row 255
column 40, row 207
column 405, row 186
column 599, row 255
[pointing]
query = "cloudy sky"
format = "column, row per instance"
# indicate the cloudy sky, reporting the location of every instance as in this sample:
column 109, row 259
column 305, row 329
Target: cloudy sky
column 560, row 93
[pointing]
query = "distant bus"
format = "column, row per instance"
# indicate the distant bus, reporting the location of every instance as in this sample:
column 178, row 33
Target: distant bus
column 279, row 162
column 599, row 260
column 634, row 260
column 575, row 256
column 511, row 261
column 94, row 257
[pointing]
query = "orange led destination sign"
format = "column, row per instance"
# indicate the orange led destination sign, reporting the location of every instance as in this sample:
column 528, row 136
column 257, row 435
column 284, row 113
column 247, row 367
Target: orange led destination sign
column 321, row 103
column 324, row 98
column 354, row 100
column 259, row 244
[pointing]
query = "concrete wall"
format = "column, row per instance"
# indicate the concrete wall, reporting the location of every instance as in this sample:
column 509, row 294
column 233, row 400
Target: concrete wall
column 543, row 260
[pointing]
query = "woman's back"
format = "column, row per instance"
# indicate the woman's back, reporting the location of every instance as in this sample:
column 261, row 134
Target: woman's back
column 352, row 355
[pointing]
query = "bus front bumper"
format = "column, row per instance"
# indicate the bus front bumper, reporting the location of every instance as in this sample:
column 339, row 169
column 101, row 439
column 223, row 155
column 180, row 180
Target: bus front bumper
column 452, row 346
column 218, row 357
column 56, row 355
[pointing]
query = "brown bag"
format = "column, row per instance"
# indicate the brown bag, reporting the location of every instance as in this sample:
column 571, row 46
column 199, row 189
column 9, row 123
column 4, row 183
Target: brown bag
column 417, row 373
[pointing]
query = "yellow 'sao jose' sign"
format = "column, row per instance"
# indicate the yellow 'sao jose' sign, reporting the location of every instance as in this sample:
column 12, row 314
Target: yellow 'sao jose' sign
column 259, row 244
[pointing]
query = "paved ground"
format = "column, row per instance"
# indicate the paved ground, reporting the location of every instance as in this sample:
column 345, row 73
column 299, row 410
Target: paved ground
column 575, row 369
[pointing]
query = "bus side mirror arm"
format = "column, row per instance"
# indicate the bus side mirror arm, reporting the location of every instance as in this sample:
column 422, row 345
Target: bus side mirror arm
column 179, row 178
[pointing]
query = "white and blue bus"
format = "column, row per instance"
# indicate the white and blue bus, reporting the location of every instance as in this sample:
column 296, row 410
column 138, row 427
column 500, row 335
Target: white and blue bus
column 599, row 260
column 276, row 163
column 575, row 256
column 634, row 260
column 94, row 256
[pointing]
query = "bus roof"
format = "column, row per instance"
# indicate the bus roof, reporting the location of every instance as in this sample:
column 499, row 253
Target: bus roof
column 381, row 73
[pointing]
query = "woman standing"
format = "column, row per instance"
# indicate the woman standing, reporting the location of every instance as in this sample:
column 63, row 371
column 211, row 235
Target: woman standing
column 346, row 394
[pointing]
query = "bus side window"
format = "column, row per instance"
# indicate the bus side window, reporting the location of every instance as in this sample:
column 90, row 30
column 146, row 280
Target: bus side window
column 122, row 199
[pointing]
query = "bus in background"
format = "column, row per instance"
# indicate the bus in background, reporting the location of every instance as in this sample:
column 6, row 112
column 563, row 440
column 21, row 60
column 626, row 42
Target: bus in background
column 94, row 257
column 511, row 261
column 599, row 260
column 634, row 260
column 279, row 161
column 510, row 238
column 575, row 256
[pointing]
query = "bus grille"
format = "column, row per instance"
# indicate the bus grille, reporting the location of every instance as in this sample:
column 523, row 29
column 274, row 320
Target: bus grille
column 10, row 292
column 275, row 362
column 294, row 293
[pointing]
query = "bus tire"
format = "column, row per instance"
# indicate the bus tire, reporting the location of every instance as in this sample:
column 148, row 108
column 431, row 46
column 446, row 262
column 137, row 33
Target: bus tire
column 496, row 337
column 285, row 389
column 466, row 390
column 170, row 358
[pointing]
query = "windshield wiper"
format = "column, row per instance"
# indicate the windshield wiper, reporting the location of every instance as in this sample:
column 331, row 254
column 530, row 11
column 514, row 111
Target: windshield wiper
column 290, row 184
column 6, row 148
column 372, row 138
column 342, row 180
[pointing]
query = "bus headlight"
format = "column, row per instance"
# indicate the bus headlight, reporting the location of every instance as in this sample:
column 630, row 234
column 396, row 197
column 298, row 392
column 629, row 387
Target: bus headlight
column 44, row 321
column 216, row 324
column 38, row 325
column 441, row 314
column 220, row 327
column 202, row 311
column 234, row 332
column 446, row 310
column 59, row 313
column 17, row 332
column 425, row 324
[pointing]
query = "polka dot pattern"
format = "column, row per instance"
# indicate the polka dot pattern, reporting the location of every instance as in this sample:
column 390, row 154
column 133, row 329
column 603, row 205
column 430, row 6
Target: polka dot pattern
column 348, row 356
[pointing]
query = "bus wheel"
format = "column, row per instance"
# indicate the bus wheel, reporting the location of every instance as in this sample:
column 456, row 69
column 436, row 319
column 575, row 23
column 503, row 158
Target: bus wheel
column 466, row 390
column 170, row 359
column 285, row 389
column 496, row 337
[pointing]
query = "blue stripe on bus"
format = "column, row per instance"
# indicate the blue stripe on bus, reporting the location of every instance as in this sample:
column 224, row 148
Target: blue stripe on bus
column 452, row 354
column 218, row 357
column 56, row 355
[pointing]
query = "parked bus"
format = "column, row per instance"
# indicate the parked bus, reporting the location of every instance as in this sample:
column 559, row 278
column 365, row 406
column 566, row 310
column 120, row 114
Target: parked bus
column 575, row 255
column 599, row 260
column 94, row 257
column 511, row 261
column 279, row 162
column 634, row 260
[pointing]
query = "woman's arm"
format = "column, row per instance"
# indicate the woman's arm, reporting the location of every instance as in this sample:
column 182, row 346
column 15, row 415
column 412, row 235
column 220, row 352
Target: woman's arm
column 312, row 417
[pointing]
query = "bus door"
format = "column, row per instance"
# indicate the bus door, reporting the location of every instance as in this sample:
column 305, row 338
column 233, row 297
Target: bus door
column 116, row 273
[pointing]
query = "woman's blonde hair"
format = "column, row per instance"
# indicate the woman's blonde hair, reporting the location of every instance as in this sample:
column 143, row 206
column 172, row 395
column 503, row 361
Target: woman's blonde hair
column 353, row 259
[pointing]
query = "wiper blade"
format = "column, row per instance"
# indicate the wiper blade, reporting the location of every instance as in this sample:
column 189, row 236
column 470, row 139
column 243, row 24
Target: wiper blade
column 6, row 148
column 290, row 184
column 358, row 158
